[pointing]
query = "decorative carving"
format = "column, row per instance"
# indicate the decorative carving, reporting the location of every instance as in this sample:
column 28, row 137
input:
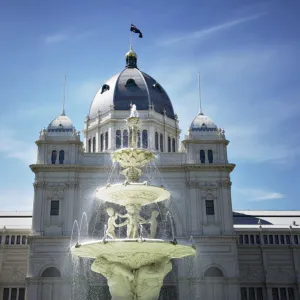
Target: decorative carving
column 278, row 274
column 224, row 183
column 13, row 275
column 198, row 185
column 251, row 275
column 125, row 283
column 39, row 184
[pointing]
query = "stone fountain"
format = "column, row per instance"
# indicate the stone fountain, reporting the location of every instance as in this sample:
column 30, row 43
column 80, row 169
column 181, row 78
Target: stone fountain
column 135, row 267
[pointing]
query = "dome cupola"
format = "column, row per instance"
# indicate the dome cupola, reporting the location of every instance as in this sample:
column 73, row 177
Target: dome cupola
column 131, row 59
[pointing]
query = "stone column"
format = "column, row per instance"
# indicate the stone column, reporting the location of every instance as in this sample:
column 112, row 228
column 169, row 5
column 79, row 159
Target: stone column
column 38, row 212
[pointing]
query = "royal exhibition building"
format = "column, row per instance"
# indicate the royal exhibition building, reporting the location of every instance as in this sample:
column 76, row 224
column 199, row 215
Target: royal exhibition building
column 126, row 210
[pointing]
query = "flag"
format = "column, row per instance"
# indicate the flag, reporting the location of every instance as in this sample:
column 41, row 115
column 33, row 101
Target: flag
column 135, row 30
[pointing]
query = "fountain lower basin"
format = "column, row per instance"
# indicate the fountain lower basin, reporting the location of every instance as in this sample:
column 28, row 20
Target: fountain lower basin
column 132, row 253
column 133, row 193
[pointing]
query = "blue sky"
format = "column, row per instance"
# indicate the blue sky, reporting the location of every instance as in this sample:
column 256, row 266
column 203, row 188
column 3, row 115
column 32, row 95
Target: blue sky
column 247, row 53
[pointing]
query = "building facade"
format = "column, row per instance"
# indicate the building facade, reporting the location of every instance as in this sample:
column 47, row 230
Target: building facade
column 240, row 255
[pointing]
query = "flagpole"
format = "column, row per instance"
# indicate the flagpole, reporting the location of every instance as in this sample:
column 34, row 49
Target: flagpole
column 199, row 87
column 130, row 37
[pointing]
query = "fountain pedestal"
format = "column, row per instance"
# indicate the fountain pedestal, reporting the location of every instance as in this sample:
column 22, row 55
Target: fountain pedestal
column 134, row 267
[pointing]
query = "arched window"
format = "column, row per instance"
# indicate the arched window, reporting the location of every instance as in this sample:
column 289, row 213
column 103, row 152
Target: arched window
column 130, row 83
column 210, row 156
column 101, row 142
column 53, row 156
column 90, row 146
column 139, row 139
column 202, row 156
column 118, row 139
column 18, row 240
column 125, row 138
column 145, row 138
column 12, row 240
column 106, row 140
column 156, row 140
column 104, row 88
column 23, row 239
column 161, row 143
column 7, row 240
column 169, row 144
column 51, row 272
column 213, row 272
column 61, row 156
column 173, row 145
column 94, row 144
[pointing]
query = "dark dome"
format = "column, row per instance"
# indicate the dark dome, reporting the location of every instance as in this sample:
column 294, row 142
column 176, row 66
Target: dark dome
column 131, row 86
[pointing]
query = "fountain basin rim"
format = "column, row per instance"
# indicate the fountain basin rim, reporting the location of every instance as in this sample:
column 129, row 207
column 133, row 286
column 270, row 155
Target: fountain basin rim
column 133, row 253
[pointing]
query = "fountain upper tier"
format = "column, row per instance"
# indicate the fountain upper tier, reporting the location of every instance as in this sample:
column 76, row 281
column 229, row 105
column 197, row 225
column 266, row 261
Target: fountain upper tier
column 132, row 160
column 132, row 193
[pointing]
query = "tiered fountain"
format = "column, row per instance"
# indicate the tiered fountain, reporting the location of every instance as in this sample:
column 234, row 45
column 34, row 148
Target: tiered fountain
column 134, row 266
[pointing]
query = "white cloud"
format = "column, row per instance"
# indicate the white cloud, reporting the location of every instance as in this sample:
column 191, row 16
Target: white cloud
column 210, row 30
column 253, row 194
column 11, row 146
column 61, row 37
column 56, row 38
column 16, row 199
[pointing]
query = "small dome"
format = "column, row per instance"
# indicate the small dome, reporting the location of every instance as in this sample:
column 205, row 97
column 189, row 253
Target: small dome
column 61, row 123
column 203, row 123
column 203, row 127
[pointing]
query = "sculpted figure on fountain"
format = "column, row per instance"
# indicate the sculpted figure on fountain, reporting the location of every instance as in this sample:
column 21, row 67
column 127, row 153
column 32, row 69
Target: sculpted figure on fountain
column 119, row 278
column 133, row 220
column 111, row 223
column 153, row 224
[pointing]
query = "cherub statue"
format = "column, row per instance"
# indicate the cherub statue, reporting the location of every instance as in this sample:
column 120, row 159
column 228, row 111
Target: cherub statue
column 133, row 112
column 111, row 223
column 133, row 221
column 153, row 224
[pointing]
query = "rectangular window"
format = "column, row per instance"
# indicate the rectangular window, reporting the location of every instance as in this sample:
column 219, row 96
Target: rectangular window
column 252, row 239
column 276, row 239
column 257, row 238
column 6, row 294
column 251, row 294
column 296, row 240
column 271, row 239
column 244, row 294
column 241, row 241
column 291, row 294
column 282, row 239
column 246, row 239
column 283, row 294
column 13, row 294
column 210, row 209
column 288, row 239
column 265, row 239
column 7, row 240
column 260, row 294
column 54, row 210
column 21, row 294
column 275, row 294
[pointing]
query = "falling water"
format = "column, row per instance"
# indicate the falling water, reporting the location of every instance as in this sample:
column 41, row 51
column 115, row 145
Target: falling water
column 72, row 241
column 83, row 229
